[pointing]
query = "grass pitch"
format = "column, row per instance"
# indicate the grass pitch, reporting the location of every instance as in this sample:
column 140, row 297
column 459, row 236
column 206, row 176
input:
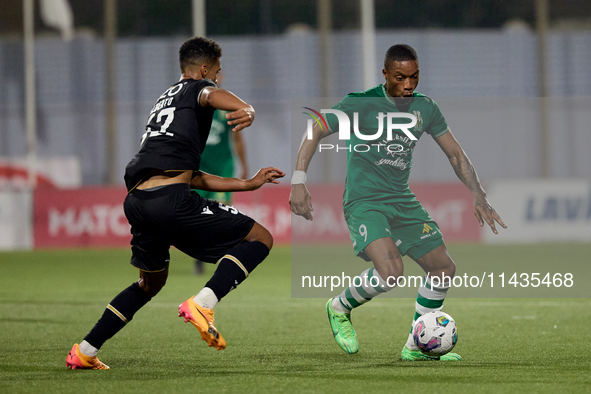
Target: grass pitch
column 51, row 299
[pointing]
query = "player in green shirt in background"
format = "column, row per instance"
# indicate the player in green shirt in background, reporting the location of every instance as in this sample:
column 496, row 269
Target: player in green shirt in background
column 218, row 158
column 384, row 218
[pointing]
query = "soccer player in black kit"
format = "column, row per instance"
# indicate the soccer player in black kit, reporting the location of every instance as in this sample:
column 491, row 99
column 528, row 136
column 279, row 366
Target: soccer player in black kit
column 163, row 211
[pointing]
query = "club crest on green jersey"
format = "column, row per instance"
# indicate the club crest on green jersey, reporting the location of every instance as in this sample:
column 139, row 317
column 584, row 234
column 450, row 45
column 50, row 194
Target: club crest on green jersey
column 419, row 126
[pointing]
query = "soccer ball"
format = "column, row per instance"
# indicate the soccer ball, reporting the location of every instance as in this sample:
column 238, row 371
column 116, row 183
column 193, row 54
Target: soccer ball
column 435, row 333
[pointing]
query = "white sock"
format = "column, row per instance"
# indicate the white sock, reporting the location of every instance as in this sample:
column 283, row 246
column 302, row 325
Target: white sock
column 338, row 307
column 87, row 349
column 206, row 298
column 361, row 292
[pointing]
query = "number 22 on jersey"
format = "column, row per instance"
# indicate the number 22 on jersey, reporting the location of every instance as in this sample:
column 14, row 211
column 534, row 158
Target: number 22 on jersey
column 163, row 112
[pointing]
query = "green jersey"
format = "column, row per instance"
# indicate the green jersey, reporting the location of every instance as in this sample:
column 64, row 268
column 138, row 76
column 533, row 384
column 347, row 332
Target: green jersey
column 378, row 167
column 217, row 157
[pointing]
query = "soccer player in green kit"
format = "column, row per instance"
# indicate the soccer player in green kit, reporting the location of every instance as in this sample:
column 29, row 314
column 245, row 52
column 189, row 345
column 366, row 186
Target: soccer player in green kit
column 218, row 159
column 384, row 218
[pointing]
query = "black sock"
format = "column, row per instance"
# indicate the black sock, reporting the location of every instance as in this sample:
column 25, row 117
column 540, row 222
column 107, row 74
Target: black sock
column 235, row 266
column 118, row 313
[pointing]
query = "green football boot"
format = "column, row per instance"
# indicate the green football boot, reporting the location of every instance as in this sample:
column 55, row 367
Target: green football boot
column 417, row 355
column 342, row 329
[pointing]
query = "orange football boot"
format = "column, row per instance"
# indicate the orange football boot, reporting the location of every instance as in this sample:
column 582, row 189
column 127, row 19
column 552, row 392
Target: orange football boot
column 78, row 360
column 202, row 319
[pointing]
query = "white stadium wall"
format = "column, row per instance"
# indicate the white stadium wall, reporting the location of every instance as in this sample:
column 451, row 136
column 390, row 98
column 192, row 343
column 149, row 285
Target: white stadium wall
column 541, row 211
column 16, row 222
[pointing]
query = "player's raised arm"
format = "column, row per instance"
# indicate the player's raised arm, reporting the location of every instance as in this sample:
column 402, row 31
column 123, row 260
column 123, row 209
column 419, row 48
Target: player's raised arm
column 300, row 200
column 214, row 183
column 467, row 174
column 241, row 115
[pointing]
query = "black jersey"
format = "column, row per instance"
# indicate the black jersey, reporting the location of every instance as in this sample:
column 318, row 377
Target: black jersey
column 176, row 133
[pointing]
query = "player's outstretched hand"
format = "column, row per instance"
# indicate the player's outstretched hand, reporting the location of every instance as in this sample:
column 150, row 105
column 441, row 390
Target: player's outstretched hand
column 300, row 201
column 241, row 118
column 265, row 175
column 485, row 212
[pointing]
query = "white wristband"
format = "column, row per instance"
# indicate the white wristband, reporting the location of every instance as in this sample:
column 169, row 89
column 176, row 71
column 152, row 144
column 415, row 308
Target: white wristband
column 298, row 177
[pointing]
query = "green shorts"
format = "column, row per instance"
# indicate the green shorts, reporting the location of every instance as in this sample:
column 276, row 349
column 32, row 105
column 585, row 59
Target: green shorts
column 407, row 223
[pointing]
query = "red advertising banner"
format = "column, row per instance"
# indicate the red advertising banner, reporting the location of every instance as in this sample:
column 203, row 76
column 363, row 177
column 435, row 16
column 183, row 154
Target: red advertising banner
column 80, row 217
column 269, row 206
column 449, row 204
column 94, row 216
column 328, row 224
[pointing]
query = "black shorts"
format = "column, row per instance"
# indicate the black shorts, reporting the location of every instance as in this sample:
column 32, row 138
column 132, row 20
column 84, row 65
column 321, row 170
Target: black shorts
column 175, row 215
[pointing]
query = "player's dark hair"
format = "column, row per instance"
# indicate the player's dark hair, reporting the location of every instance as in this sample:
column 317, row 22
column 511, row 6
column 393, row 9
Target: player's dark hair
column 400, row 53
column 198, row 50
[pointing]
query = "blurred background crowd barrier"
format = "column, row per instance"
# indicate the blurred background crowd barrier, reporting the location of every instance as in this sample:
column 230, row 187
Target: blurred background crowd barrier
column 268, row 72
column 517, row 95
